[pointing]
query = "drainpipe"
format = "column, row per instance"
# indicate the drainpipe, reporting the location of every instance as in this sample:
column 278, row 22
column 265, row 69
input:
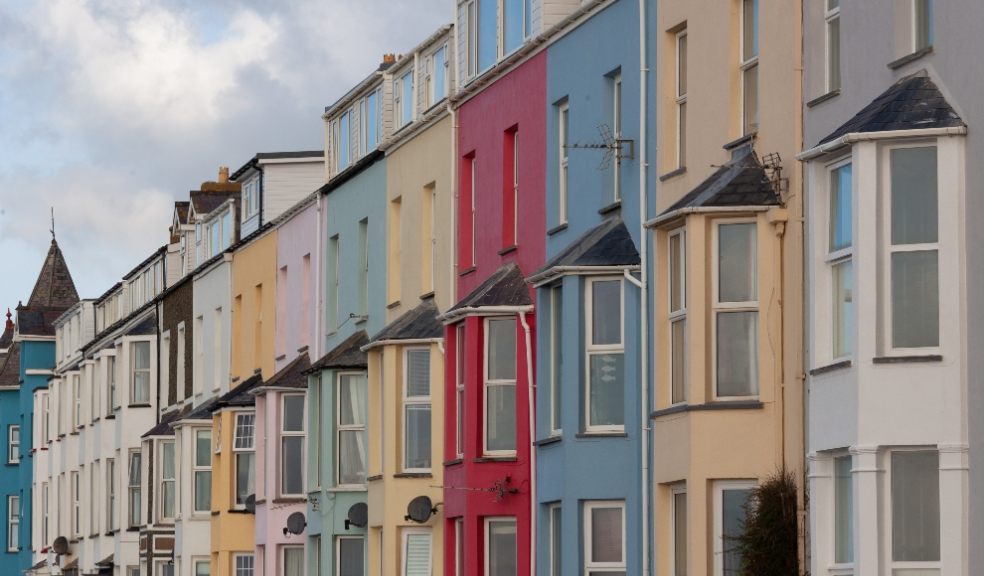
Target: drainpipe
column 644, row 288
column 530, row 391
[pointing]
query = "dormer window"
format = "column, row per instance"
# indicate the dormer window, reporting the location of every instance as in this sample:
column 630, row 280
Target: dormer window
column 435, row 80
column 403, row 99
column 251, row 198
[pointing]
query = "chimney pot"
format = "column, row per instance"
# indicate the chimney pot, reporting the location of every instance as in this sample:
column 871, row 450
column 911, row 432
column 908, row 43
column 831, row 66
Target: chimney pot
column 389, row 58
column 223, row 174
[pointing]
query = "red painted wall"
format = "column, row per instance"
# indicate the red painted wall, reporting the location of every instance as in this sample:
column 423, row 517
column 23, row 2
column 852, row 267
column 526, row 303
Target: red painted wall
column 515, row 102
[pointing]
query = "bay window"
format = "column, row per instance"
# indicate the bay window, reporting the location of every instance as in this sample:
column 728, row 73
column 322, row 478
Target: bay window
column 112, row 522
column 111, row 396
column 736, row 311
column 915, row 509
column 678, row 316
column 500, row 386
column 604, row 538
column 604, row 356
column 417, row 410
column 168, row 477
column 749, row 65
column 403, row 99
column 292, row 445
column 140, row 373
column 133, row 489
column 500, row 547
column 350, row 421
column 203, row 471
column 839, row 258
column 913, row 248
column 76, row 490
column 243, row 447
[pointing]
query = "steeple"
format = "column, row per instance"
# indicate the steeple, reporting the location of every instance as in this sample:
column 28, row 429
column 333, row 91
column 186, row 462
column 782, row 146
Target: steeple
column 54, row 287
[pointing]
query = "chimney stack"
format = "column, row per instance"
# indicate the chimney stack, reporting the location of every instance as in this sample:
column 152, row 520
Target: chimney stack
column 389, row 58
column 223, row 174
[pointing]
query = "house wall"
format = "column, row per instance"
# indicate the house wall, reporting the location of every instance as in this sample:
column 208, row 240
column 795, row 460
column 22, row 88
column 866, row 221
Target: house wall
column 297, row 299
column 254, row 311
column 213, row 304
column 177, row 308
column 286, row 183
column 231, row 532
column 192, row 531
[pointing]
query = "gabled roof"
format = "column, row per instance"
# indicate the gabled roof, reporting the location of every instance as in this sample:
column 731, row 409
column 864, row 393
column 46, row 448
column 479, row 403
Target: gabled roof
column 608, row 244
column 54, row 287
column 421, row 323
column 240, row 395
column 742, row 181
column 506, row 287
column 293, row 375
column 914, row 102
column 181, row 211
column 348, row 354
column 10, row 367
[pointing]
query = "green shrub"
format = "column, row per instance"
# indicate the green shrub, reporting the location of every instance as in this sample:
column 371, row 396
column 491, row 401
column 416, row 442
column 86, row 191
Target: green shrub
column 769, row 545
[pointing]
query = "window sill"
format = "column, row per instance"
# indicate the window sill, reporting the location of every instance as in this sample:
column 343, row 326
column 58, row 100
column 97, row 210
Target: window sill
column 486, row 459
column 896, row 64
column 413, row 475
column 467, row 271
column 142, row 405
column 280, row 358
column 590, row 435
column 831, row 367
column 393, row 304
column 455, row 462
column 94, row 420
column 823, row 98
column 427, row 295
column 112, row 532
column 133, row 529
column 237, row 511
column 374, row 478
column 96, row 535
column 673, row 174
column 507, row 250
column 548, row 441
column 347, row 489
column 76, row 433
column 613, row 207
column 718, row 405
column 557, row 228
column 913, row 359
column 289, row 500
column 110, row 416
column 739, row 142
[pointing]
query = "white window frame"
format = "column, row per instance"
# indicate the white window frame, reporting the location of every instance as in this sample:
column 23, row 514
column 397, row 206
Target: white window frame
column 200, row 469
column 75, row 488
column 486, row 382
column 113, row 393
column 718, row 489
column 474, row 167
column 240, row 568
column 677, row 490
column 459, row 547
column 616, row 81
column 887, row 248
column 459, row 398
column 13, row 523
column 887, row 535
column 112, row 496
column 830, row 16
column 556, row 376
column 407, row 532
column 414, row 401
column 834, row 258
column 13, row 444
column 845, row 568
column 515, row 187
column 179, row 377
column 681, row 98
column 487, row 537
column 552, row 531
column 597, row 567
column 94, row 481
column 916, row 21
column 563, row 160
column 45, row 516
column 339, row 428
column 76, row 400
column 165, row 481
column 134, row 371
column 283, row 557
column 745, row 64
column 132, row 488
column 725, row 307
column 591, row 349
column 470, row 8
column 680, row 314
column 338, row 552
column 284, row 433
column 237, row 449
column 198, row 561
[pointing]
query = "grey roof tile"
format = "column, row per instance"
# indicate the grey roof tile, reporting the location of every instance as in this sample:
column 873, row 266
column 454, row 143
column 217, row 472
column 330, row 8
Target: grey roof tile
column 607, row 244
column 743, row 181
column 421, row 323
column 506, row 287
column 348, row 354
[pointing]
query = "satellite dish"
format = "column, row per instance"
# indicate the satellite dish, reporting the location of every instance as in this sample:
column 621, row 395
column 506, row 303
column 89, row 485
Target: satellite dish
column 250, row 503
column 296, row 523
column 358, row 515
column 420, row 509
column 60, row 545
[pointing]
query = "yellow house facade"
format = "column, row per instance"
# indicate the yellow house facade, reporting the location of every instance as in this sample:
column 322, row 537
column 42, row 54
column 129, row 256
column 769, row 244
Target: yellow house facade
column 406, row 358
column 254, row 306
column 727, row 304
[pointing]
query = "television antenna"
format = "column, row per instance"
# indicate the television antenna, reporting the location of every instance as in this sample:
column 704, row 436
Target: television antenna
column 615, row 147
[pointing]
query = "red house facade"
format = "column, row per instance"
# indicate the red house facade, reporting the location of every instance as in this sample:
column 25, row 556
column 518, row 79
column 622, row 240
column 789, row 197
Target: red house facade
column 490, row 332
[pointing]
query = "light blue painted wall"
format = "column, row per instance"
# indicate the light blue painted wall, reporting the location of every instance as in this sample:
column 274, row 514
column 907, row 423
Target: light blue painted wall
column 580, row 69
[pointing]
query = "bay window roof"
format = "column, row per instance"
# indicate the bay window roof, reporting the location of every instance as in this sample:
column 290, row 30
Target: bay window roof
column 348, row 354
column 505, row 288
column 421, row 323
column 912, row 103
column 240, row 395
column 165, row 428
column 293, row 375
column 607, row 245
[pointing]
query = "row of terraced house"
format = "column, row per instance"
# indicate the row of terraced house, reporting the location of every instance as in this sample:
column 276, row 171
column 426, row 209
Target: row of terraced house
column 569, row 280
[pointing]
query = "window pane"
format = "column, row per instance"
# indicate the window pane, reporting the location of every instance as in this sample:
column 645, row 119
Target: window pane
column 737, row 263
column 168, row 458
column 915, row 506
column 501, row 418
column 440, row 61
column 417, row 556
column 244, row 476
column 749, row 45
column 351, row 554
column 371, row 122
column 292, row 469
column 244, row 431
column 750, row 99
column 293, row 413
column 914, row 196
column 606, row 534
column 841, row 208
column 678, row 360
column 607, row 390
column 733, row 524
column 512, row 20
column 487, row 24
column 557, row 332
column 682, row 136
column 203, row 491
column 418, row 436
column 502, row 548
column 843, row 511
column 352, row 401
column 680, row 534
column 203, row 448
column 677, row 298
column 202, row 569
column 556, row 550
column 924, row 23
column 682, row 65
column 843, row 277
column 833, row 54
column 737, row 353
column 352, row 457
column 407, row 84
column 915, row 299
column 343, row 142
column 502, row 349
column 293, row 561
column 606, row 312
column 418, row 373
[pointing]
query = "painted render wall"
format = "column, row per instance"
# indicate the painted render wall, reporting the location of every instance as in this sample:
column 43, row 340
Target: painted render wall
column 254, row 288
column 213, row 304
column 297, row 286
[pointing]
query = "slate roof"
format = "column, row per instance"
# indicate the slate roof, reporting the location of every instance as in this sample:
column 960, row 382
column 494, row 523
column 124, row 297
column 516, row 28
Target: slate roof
column 240, row 395
column 506, row 287
column 10, row 367
column 421, row 323
column 8, row 332
column 203, row 411
column 607, row 244
column 742, row 181
column 205, row 201
column 293, row 375
column 146, row 327
column 275, row 156
column 348, row 354
column 911, row 103
column 166, row 426
column 37, row 322
column 181, row 207
column 54, row 287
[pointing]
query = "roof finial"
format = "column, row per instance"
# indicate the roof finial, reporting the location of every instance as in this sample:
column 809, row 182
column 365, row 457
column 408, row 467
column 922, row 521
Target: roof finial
column 10, row 323
column 52, row 223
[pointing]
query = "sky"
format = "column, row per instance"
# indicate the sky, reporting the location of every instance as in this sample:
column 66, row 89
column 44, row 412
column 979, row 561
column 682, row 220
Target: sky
column 110, row 110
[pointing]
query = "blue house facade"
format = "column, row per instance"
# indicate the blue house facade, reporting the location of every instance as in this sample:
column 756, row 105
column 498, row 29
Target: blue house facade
column 33, row 349
column 590, row 400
